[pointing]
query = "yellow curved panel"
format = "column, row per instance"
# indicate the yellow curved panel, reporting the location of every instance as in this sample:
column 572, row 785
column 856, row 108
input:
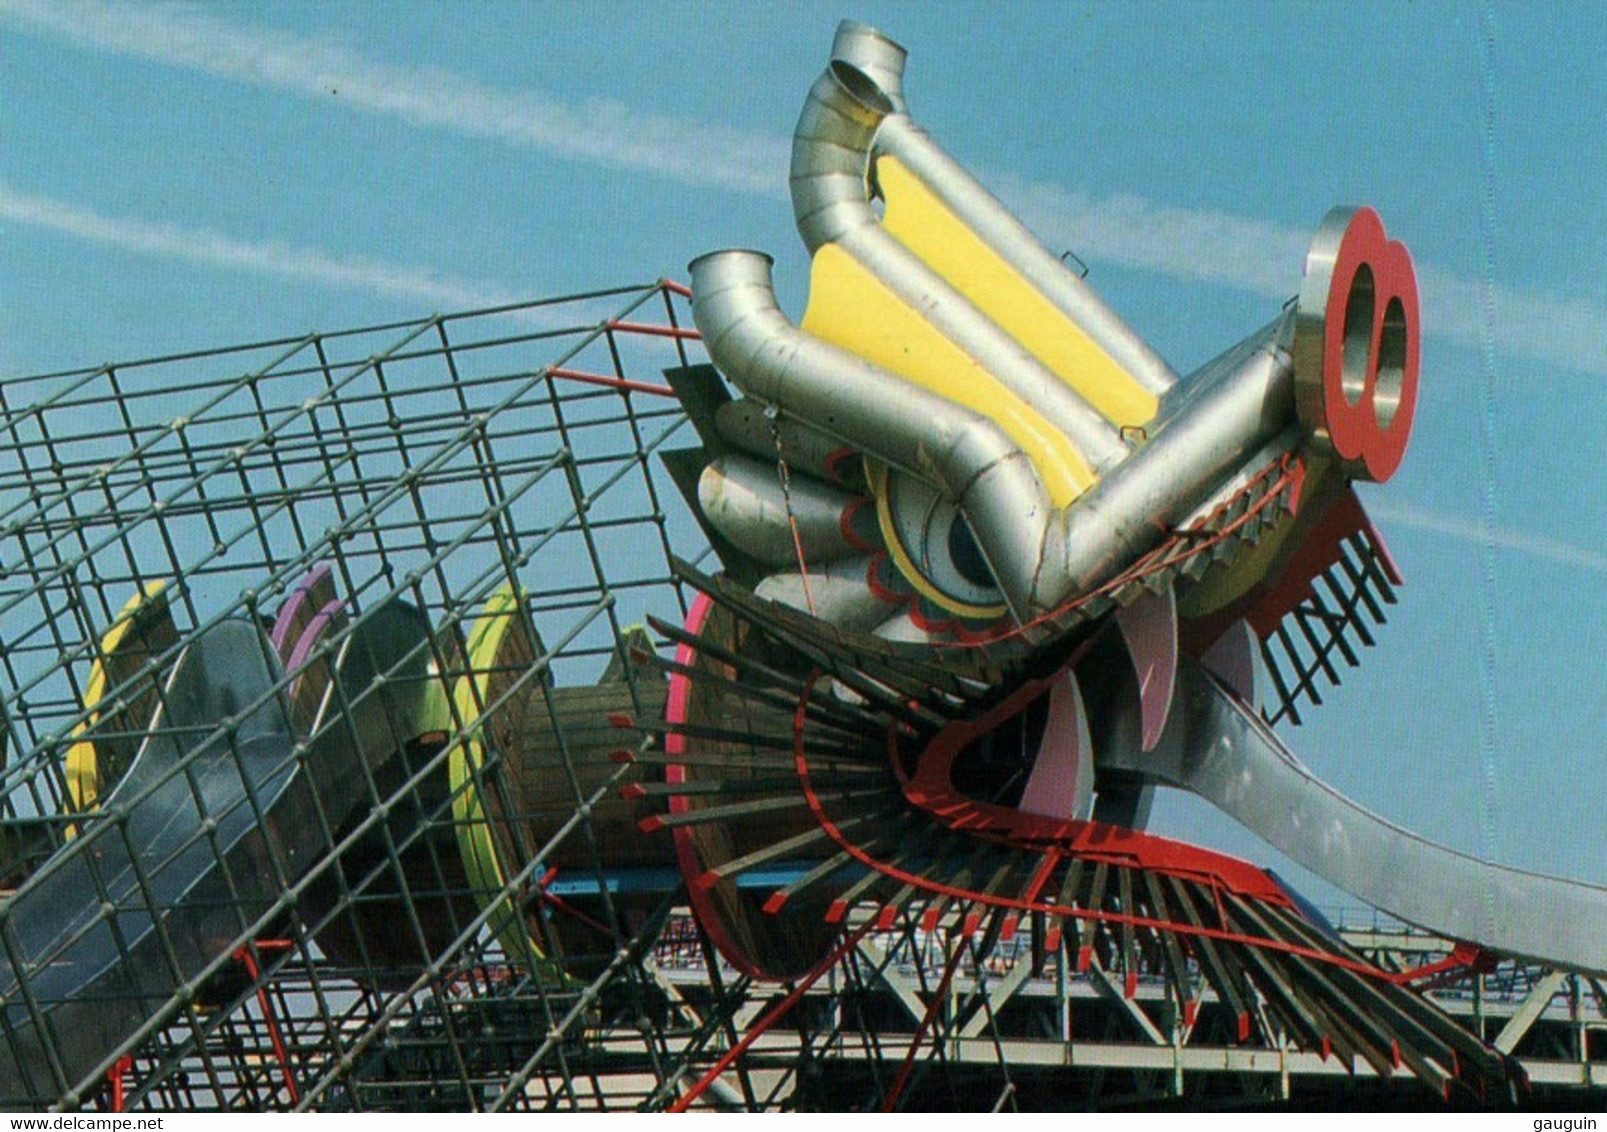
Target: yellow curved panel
column 141, row 620
column 849, row 307
column 924, row 224
column 498, row 648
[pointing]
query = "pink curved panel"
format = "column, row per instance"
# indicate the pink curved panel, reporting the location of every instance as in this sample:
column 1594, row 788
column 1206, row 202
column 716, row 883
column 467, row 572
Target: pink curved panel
column 1062, row 779
column 703, row 905
column 1149, row 626
column 1232, row 660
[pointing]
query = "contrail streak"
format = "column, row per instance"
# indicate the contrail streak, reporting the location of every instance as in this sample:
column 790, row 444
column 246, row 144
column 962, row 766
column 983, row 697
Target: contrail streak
column 599, row 131
column 208, row 248
column 1128, row 231
column 1504, row 538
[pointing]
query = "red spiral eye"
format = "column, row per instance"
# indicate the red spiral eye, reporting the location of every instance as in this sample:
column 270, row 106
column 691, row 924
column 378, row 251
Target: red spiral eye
column 1357, row 345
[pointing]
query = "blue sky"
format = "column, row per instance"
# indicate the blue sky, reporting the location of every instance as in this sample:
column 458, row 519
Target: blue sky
column 176, row 176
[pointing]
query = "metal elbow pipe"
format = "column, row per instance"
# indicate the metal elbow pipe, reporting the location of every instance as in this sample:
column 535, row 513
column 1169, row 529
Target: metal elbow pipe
column 1231, row 409
column 968, row 456
column 881, row 59
column 831, row 204
column 831, row 154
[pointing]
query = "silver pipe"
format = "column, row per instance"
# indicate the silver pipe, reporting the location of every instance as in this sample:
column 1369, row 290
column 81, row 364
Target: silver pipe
column 965, row 196
column 839, row 593
column 746, row 502
column 881, row 61
column 877, row 56
column 830, row 161
column 1219, row 748
column 963, row 452
column 1229, row 410
column 746, row 426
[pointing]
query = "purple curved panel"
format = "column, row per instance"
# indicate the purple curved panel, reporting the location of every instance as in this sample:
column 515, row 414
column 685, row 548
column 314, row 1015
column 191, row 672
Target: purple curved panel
column 306, row 687
column 1062, row 779
column 311, row 594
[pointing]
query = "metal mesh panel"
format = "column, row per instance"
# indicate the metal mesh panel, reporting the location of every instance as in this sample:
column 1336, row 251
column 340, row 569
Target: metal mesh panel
column 261, row 822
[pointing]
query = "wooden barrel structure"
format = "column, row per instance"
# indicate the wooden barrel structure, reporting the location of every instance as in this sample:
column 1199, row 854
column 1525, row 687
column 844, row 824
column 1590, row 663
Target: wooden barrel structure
column 535, row 756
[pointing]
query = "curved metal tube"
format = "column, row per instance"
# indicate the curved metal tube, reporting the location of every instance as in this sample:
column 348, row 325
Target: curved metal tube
column 830, row 161
column 1216, row 747
column 1228, row 411
column 881, row 63
column 1040, row 556
column 963, row 452
column 745, row 502
column 879, row 57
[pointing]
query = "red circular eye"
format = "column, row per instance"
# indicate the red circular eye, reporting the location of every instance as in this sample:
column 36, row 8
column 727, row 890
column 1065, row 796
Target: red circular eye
column 1357, row 345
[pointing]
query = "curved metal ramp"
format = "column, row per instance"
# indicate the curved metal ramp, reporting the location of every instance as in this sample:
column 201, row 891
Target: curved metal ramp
column 214, row 822
column 1218, row 747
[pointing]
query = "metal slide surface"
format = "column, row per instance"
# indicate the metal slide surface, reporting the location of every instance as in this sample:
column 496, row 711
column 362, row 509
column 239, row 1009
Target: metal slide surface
column 1219, row 748
column 210, row 825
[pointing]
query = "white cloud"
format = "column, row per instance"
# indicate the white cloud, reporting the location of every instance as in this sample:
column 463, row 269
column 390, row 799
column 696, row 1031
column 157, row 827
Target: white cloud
column 1188, row 244
column 600, row 131
column 205, row 247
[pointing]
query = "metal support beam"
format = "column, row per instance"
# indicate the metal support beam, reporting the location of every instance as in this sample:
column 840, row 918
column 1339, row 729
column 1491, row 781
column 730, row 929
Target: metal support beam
column 902, row 988
column 999, row 993
column 1533, row 1006
column 1107, row 988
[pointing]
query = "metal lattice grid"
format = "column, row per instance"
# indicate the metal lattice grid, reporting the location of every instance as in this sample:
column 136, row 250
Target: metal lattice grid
column 416, row 477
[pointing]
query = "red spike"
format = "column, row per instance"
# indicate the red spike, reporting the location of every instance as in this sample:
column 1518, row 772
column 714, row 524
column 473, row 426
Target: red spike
column 930, row 917
column 773, row 905
column 622, row 720
column 889, row 914
column 838, row 909
column 973, row 921
column 633, row 791
column 1395, row 1051
column 650, row 824
column 1008, row 931
column 708, row 880
column 1130, row 987
column 1244, row 1026
column 621, row 756
column 1085, row 959
column 1051, row 940
column 1191, row 1013
column 1328, row 1047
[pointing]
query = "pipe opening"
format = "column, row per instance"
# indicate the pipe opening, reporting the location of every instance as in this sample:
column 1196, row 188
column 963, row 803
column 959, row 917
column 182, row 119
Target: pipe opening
column 1392, row 351
column 861, row 88
column 1358, row 342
